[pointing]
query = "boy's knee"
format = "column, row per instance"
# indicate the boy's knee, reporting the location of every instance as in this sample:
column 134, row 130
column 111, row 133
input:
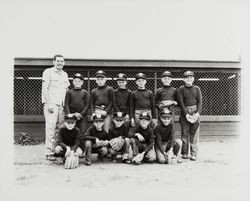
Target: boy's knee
column 127, row 140
column 88, row 143
column 132, row 141
column 58, row 149
column 178, row 142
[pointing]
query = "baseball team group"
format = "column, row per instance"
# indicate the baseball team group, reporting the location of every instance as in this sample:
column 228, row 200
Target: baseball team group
column 133, row 127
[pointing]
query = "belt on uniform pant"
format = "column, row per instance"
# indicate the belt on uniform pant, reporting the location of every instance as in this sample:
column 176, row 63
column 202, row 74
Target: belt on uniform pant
column 191, row 109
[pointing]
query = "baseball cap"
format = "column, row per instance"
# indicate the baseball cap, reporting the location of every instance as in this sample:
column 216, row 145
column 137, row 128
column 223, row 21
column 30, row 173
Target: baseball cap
column 119, row 115
column 121, row 76
column 144, row 115
column 140, row 76
column 166, row 113
column 166, row 74
column 98, row 117
column 188, row 73
column 78, row 75
column 70, row 118
column 100, row 73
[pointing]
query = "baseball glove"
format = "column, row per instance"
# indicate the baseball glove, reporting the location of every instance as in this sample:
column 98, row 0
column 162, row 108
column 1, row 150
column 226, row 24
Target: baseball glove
column 100, row 143
column 138, row 159
column 116, row 143
column 72, row 161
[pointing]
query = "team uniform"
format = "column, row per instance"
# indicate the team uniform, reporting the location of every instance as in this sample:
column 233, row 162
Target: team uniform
column 142, row 100
column 121, row 101
column 165, row 140
column 190, row 100
column 77, row 100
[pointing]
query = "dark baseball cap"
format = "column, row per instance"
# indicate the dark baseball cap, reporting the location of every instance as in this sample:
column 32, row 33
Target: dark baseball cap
column 140, row 76
column 166, row 74
column 166, row 113
column 144, row 115
column 119, row 115
column 100, row 73
column 188, row 73
column 78, row 75
column 98, row 117
column 70, row 118
column 121, row 76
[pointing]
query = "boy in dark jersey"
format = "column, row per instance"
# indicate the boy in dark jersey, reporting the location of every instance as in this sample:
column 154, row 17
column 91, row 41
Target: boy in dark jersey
column 166, row 96
column 190, row 100
column 119, row 135
column 101, row 99
column 95, row 139
column 77, row 102
column 68, row 138
column 142, row 141
column 142, row 100
column 122, row 96
column 167, row 147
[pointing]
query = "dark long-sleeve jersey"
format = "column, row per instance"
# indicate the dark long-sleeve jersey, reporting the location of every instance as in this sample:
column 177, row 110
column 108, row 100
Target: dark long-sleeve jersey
column 121, row 100
column 92, row 133
column 189, row 96
column 164, row 134
column 142, row 99
column 148, row 135
column 122, row 131
column 165, row 93
column 77, row 100
column 68, row 137
column 102, row 96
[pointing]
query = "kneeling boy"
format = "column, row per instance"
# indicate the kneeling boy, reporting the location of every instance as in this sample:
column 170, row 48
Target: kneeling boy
column 119, row 141
column 142, row 141
column 97, row 138
column 166, row 147
column 68, row 139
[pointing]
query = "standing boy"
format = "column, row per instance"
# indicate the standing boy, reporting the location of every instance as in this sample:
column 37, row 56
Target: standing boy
column 122, row 96
column 77, row 102
column 166, row 96
column 96, row 139
column 142, row 141
column 54, row 85
column 190, row 100
column 101, row 99
column 166, row 146
column 118, row 134
column 68, row 139
column 142, row 100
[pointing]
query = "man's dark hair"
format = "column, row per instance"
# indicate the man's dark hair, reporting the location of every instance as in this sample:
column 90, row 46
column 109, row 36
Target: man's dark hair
column 57, row 55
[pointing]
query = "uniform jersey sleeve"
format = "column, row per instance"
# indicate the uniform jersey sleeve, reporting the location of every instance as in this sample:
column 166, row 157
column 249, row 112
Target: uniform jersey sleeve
column 77, row 140
column 86, row 106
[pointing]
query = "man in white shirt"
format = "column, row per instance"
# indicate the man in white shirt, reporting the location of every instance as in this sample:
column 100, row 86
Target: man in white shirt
column 55, row 83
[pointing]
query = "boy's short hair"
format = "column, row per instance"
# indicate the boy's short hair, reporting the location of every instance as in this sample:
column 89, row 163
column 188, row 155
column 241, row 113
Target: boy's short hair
column 140, row 76
column 119, row 116
column 121, row 77
column 98, row 117
column 144, row 115
column 78, row 75
column 188, row 73
column 70, row 118
column 166, row 74
column 100, row 73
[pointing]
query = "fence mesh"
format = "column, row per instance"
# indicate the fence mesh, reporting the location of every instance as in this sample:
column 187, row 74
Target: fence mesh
column 220, row 90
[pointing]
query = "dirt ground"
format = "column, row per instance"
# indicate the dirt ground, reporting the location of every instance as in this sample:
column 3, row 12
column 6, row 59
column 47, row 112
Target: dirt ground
column 215, row 170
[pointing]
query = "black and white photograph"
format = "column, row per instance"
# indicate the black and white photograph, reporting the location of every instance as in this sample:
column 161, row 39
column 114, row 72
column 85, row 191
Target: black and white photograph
column 125, row 100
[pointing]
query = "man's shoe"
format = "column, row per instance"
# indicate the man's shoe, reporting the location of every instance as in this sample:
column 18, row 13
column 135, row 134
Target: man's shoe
column 193, row 158
column 59, row 161
column 185, row 156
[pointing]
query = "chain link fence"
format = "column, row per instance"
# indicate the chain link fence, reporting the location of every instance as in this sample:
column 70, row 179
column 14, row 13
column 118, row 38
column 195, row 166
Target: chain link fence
column 220, row 89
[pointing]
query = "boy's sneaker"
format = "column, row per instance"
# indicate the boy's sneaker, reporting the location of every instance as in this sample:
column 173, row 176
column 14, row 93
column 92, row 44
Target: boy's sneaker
column 179, row 160
column 193, row 158
column 59, row 161
column 185, row 156
column 51, row 157
column 88, row 163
